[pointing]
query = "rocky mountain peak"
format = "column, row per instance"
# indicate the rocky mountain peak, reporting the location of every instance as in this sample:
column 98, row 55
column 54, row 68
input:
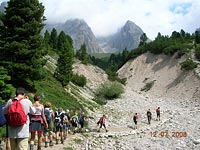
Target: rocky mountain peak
column 131, row 27
column 127, row 37
column 80, row 32
column 2, row 6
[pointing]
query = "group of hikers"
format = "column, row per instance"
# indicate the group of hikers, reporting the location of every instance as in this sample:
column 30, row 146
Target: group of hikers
column 26, row 120
column 149, row 117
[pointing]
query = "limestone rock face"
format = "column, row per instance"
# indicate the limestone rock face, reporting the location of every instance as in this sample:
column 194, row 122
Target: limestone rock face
column 127, row 37
column 80, row 32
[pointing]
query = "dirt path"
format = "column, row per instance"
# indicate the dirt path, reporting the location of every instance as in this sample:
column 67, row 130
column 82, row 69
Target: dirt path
column 122, row 136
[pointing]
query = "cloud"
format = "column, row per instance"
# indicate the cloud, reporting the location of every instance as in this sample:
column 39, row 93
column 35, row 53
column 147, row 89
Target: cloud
column 107, row 16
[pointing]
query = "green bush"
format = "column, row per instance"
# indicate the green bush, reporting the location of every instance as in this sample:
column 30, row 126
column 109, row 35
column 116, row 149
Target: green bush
column 79, row 80
column 148, row 86
column 197, row 52
column 100, row 101
column 110, row 90
column 170, row 50
column 188, row 64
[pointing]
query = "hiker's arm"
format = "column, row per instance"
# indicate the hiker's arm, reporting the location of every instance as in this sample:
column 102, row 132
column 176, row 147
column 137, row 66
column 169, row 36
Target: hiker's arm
column 44, row 118
column 53, row 114
column 32, row 110
column 5, row 108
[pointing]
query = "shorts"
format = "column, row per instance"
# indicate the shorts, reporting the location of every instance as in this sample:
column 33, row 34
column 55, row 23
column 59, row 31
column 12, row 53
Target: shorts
column 82, row 124
column 135, row 122
column 74, row 124
column 36, row 126
column 19, row 143
column 59, row 128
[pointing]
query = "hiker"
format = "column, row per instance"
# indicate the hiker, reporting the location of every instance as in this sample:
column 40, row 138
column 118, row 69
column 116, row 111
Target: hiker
column 38, row 123
column 158, row 113
column 135, row 119
column 66, row 123
column 149, row 115
column 82, row 120
column 74, row 121
column 58, row 122
column 102, row 121
column 3, row 121
column 48, row 132
column 18, row 131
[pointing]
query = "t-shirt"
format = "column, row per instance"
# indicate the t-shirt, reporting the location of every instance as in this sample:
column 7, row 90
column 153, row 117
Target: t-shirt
column 22, row 131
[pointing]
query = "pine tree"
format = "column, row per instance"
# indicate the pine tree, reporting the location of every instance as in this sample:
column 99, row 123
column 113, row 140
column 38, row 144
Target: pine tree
column 64, row 65
column 53, row 39
column 21, row 53
column 143, row 39
column 6, row 89
column 46, row 38
column 61, row 40
column 83, row 55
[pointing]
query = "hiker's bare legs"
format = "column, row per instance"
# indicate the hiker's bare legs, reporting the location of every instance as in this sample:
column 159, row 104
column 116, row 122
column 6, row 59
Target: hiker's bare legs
column 39, row 138
column 32, row 137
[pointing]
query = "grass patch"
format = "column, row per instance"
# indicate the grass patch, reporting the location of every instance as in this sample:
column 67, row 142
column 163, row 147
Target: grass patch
column 51, row 90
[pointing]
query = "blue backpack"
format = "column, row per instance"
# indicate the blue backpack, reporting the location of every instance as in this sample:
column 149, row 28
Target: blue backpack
column 2, row 117
column 48, row 115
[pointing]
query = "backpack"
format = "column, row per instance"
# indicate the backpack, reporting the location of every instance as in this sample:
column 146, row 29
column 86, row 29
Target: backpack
column 158, row 110
column 2, row 117
column 48, row 115
column 58, row 118
column 149, row 114
column 16, row 114
column 81, row 118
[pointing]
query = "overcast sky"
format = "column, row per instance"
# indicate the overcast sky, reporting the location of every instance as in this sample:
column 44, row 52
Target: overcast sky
column 107, row 16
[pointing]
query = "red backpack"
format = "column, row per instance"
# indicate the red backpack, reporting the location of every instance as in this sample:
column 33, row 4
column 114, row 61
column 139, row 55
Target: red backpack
column 16, row 114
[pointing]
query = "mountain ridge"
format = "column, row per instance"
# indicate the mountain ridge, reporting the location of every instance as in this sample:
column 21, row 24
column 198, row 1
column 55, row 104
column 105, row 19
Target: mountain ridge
column 127, row 37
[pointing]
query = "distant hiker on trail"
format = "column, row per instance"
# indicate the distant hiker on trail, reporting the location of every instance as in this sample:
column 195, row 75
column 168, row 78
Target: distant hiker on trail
column 48, row 132
column 149, row 115
column 102, row 121
column 158, row 113
column 58, row 121
column 66, row 123
column 74, row 121
column 38, row 123
column 19, row 134
column 135, row 119
column 81, row 119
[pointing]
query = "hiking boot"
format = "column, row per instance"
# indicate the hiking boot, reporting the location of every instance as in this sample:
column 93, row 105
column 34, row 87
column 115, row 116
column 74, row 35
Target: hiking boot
column 62, row 141
column 56, row 141
column 50, row 143
column 39, row 147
